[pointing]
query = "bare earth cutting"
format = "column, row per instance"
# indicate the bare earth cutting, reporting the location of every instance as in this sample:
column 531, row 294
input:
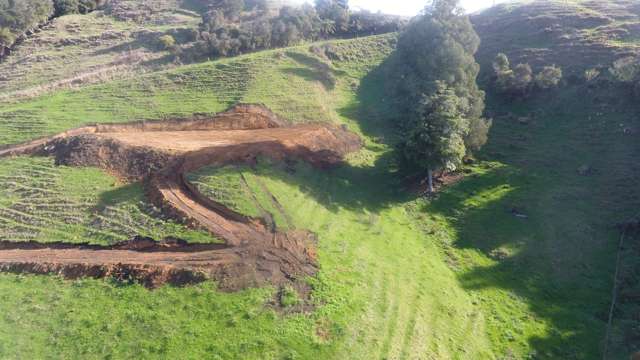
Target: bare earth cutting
column 161, row 154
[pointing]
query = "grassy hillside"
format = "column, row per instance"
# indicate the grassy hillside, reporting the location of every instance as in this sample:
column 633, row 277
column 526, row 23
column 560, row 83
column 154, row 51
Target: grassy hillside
column 117, row 42
column 514, row 261
column 574, row 34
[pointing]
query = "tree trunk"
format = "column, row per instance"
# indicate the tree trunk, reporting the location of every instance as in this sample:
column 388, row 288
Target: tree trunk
column 430, row 179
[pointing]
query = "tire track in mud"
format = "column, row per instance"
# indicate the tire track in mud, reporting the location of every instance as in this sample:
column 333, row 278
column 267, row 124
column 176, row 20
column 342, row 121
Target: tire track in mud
column 276, row 204
column 161, row 154
column 266, row 215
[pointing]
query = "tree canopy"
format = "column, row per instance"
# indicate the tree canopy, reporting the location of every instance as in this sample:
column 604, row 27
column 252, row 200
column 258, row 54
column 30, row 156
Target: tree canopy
column 434, row 76
column 18, row 16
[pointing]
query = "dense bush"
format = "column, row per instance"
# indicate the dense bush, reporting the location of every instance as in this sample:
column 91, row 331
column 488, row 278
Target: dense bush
column 334, row 13
column 366, row 23
column 64, row 7
column 18, row 16
column 548, row 77
column 626, row 70
column 522, row 78
column 226, row 31
column 166, row 41
column 591, row 74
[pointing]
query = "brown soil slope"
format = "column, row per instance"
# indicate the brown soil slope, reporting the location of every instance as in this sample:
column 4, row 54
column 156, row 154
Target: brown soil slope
column 160, row 154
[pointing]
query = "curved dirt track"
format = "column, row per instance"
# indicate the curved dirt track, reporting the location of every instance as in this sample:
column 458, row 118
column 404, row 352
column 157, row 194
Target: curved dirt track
column 161, row 154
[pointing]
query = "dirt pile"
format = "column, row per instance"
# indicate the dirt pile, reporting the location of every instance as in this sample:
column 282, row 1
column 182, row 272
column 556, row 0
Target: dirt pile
column 161, row 154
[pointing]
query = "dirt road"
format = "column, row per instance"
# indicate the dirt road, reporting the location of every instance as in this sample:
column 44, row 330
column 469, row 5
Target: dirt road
column 160, row 154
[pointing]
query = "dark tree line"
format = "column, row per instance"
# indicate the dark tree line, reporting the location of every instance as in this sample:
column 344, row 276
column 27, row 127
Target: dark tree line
column 20, row 16
column 232, row 27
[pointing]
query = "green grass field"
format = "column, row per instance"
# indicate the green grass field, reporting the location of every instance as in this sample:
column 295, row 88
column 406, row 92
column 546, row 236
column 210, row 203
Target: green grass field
column 46, row 203
column 455, row 277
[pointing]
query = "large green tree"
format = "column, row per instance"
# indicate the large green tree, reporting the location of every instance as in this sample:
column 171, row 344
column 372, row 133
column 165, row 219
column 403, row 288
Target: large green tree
column 434, row 76
column 434, row 138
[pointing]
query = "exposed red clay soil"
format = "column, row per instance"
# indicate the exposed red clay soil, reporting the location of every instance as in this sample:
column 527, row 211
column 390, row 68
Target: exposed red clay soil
column 161, row 154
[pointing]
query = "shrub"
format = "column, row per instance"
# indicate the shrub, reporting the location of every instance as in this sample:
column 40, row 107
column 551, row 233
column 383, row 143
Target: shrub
column 289, row 297
column 64, row 7
column 591, row 74
column 625, row 69
column 519, row 81
column 501, row 63
column 549, row 77
column 6, row 37
column 522, row 77
column 167, row 42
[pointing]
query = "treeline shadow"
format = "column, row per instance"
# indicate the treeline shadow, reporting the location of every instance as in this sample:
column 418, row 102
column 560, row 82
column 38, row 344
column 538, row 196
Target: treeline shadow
column 314, row 70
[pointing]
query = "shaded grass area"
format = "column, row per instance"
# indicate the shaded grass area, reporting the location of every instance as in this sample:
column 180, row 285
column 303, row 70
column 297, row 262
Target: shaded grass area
column 47, row 203
column 625, row 330
column 545, row 280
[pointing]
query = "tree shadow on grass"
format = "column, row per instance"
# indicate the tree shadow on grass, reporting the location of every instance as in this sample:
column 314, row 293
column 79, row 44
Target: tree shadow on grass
column 314, row 70
column 119, row 195
column 531, row 232
column 367, row 188
column 373, row 109
column 497, row 213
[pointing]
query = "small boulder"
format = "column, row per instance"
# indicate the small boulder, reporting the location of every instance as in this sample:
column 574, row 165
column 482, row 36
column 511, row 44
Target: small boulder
column 518, row 213
column 585, row 170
